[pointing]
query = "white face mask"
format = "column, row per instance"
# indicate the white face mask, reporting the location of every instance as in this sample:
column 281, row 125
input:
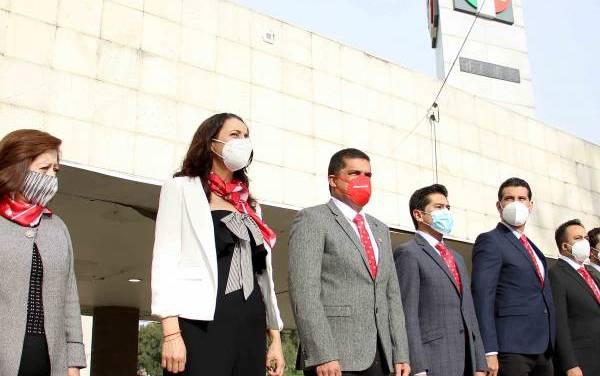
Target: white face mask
column 236, row 153
column 515, row 213
column 580, row 250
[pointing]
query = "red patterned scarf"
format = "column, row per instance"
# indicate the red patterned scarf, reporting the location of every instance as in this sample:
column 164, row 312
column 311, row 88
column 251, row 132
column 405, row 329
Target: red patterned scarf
column 237, row 194
column 22, row 213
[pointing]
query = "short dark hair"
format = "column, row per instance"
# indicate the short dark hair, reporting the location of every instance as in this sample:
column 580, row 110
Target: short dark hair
column 559, row 234
column 420, row 199
column 514, row 182
column 593, row 237
column 338, row 160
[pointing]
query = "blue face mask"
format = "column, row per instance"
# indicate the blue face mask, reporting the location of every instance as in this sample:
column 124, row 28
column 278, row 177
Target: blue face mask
column 442, row 221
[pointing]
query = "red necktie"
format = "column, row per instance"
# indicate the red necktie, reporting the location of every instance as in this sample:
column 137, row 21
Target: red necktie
column 451, row 263
column 529, row 250
column 590, row 282
column 366, row 243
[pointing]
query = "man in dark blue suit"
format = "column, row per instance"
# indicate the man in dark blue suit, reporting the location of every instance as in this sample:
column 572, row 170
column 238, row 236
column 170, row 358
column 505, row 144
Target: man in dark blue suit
column 511, row 291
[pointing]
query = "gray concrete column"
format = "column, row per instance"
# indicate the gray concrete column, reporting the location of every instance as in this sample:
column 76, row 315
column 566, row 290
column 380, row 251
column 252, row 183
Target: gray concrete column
column 115, row 341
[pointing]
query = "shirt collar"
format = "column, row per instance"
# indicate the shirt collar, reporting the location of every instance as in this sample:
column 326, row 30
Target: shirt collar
column 595, row 266
column 346, row 210
column 430, row 239
column 512, row 229
column 573, row 264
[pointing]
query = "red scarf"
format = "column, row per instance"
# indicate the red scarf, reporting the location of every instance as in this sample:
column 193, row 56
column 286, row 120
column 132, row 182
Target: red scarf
column 237, row 194
column 22, row 213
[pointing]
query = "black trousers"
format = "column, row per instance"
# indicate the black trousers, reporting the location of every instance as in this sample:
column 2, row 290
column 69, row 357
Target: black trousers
column 379, row 366
column 469, row 367
column 233, row 344
column 525, row 365
column 34, row 358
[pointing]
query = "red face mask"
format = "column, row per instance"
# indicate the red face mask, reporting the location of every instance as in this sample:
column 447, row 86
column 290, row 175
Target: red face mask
column 358, row 190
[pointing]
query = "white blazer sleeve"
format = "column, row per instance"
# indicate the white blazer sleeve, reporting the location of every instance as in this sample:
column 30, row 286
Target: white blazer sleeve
column 273, row 315
column 167, row 250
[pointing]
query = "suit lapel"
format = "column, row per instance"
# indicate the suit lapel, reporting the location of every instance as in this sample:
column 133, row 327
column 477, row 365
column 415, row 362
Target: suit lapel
column 577, row 277
column 379, row 235
column 594, row 273
column 197, row 206
column 437, row 258
column 512, row 239
column 343, row 222
column 541, row 257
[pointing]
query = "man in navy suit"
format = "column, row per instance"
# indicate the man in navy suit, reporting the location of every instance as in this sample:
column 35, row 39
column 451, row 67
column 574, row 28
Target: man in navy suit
column 511, row 291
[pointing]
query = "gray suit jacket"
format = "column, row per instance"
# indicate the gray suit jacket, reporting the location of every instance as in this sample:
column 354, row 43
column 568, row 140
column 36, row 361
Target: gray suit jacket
column 62, row 316
column 436, row 314
column 339, row 309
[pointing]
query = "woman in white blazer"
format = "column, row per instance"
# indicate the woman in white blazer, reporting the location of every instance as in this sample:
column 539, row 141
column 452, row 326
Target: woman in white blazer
column 212, row 280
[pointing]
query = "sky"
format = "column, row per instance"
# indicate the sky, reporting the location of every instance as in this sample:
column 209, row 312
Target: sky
column 562, row 38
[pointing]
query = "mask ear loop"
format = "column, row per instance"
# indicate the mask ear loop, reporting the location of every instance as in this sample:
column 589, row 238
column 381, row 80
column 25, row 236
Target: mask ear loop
column 221, row 142
column 423, row 220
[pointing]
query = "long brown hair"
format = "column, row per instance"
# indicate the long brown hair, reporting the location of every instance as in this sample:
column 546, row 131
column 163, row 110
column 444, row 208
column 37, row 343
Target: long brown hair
column 17, row 150
column 199, row 158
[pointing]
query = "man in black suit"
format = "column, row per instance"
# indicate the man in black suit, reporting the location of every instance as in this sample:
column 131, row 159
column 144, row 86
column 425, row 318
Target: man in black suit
column 511, row 291
column 594, row 266
column 577, row 303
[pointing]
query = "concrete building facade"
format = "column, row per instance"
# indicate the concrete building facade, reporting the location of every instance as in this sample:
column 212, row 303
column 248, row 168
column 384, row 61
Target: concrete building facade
column 125, row 83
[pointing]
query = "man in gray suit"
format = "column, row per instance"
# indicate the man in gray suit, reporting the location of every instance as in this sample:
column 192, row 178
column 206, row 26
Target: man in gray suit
column 342, row 282
column 443, row 334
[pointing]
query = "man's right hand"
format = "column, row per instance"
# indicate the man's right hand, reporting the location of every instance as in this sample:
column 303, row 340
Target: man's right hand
column 329, row 369
column 575, row 372
column 174, row 355
column 493, row 366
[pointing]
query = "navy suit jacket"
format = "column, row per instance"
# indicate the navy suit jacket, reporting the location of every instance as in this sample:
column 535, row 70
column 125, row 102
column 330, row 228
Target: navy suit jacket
column 515, row 312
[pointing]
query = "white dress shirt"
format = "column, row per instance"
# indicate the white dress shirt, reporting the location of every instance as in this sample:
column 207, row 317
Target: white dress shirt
column 595, row 266
column 575, row 265
column 431, row 240
column 349, row 214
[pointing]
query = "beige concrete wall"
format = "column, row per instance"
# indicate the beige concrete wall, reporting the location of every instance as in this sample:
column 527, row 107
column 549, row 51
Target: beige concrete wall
column 125, row 83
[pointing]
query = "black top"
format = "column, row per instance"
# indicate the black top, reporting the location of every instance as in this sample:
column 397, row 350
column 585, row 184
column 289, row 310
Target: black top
column 225, row 241
column 35, row 304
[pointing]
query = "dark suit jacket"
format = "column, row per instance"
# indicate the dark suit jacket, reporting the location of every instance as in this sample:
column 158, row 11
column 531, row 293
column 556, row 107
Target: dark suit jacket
column 593, row 272
column 515, row 313
column 577, row 321
column 436, row 314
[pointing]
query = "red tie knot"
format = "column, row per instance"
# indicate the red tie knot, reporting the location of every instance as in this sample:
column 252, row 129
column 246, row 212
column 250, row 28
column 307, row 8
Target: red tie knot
column 441, row 247
column 358, row 219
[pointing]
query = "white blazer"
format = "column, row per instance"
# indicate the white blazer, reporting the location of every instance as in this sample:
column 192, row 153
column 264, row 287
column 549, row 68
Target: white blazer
column 184, row 263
